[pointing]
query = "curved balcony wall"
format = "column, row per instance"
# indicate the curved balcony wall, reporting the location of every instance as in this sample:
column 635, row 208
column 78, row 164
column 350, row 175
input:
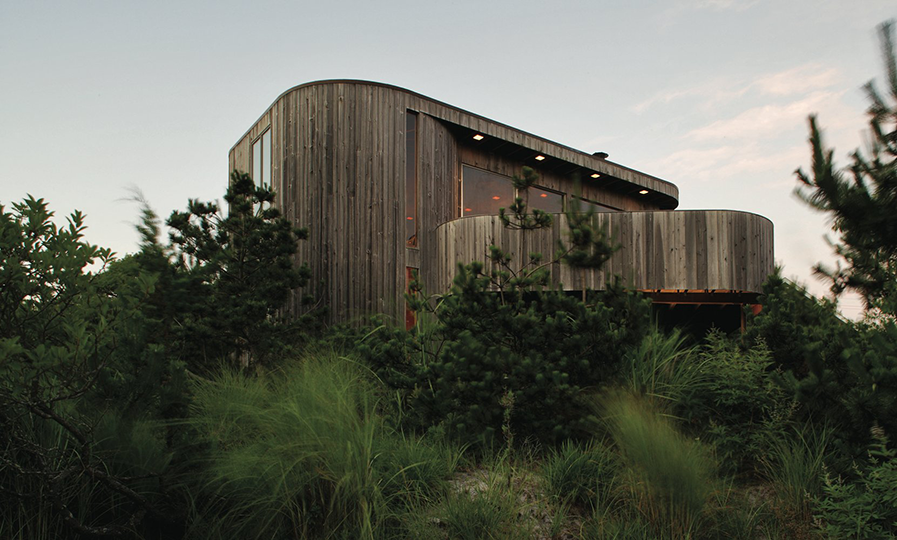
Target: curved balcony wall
column 683, row 250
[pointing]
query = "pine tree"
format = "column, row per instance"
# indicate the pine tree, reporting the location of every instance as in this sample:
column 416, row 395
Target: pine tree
column 862, row 200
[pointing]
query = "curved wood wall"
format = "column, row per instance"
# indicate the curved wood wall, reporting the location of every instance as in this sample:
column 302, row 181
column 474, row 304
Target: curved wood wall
column 697, row 250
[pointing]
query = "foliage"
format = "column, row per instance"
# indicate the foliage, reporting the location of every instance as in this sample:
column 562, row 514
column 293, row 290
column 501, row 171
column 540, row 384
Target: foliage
column 543, row 347
column 671, row 477
column 502, row 355
column 793, row 463
column 64, row 334
column 738, row 402
column 293, row 451
column 580, row 473
column 803, row 334
column 866, row 508
column 842, row 374
column 520, row 217
column 863, row 207
column 242, row 267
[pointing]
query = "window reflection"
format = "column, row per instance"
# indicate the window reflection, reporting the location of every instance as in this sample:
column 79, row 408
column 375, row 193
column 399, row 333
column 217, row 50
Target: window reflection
column 485, row 192
column 586, row 205
column 547, row 201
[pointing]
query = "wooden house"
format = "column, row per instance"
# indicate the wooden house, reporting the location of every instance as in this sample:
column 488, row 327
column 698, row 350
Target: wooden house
column 387, row 180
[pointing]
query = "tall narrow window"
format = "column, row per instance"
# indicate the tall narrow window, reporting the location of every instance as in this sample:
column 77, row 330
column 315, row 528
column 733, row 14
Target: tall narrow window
column 411, row 229
column 261, row 160
column 411, row 290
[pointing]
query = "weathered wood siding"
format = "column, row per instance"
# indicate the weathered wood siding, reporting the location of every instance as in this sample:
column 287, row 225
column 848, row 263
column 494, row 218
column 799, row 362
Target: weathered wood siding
column 679, row 250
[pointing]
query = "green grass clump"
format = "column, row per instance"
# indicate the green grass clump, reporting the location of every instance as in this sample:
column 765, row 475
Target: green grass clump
column 582, row 474
column 794, row 465
column 671, row 477
column 291, row 453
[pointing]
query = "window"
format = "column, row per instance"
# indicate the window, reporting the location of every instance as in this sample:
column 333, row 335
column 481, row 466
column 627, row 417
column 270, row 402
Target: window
column 545, row 200
column 261, row 160
column 585, row 205
column 410, row 179
column 484, row 192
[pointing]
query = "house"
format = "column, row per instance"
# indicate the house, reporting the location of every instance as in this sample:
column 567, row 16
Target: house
column 388, row 181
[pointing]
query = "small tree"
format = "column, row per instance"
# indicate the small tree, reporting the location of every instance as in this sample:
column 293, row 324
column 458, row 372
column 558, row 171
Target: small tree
column 239, row 271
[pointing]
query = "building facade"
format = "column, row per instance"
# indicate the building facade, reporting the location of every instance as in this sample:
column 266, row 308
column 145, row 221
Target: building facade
column 388, row 181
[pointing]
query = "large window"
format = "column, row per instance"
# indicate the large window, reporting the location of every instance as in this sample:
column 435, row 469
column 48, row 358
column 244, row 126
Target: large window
column 261, row 160
column 484, row 192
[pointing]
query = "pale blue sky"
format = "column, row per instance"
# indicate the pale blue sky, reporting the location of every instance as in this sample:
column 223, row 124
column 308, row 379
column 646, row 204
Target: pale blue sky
column 712, row 95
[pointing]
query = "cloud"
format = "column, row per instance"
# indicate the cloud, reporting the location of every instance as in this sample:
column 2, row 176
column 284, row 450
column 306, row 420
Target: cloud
column 766, row 121
column 793, row 81
column 798, row 80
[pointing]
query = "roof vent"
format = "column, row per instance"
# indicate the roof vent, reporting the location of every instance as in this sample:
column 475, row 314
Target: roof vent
column 600, row 155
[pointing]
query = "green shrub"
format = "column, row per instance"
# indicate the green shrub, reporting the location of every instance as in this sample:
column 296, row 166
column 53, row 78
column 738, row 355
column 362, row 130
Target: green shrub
column 516, row 360
column 865, row 508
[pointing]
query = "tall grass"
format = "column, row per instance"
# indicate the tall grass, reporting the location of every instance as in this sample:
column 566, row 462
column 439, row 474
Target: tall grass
column 671, row 477
column 582, row 474
column 794, row 465
column 290, row 453
column 304, row 453
column 664, row 369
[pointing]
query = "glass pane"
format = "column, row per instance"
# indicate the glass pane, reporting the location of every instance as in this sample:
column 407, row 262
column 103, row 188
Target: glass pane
column 257, row 161
column 266, row 159
column 485, row 192
column 586, row 205
column 547, row 201
column 411, row 180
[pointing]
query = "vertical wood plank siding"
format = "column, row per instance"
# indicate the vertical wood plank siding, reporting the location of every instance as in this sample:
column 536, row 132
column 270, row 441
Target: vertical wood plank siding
column 339, row 170
column 683, row 250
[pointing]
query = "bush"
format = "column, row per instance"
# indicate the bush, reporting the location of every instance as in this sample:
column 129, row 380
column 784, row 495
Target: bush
column 865, row 508
column 515, row 364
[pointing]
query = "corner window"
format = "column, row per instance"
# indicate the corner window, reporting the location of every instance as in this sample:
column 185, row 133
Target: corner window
column 261, row 160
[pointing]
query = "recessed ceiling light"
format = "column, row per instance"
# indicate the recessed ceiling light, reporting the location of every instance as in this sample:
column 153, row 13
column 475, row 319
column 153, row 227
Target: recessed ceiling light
column 478, row 137
column 496, row 198
column 596, row 175
column 468, row 210
column 540, row 157
column 543, row 195
column 409, row 218
column 643, row 192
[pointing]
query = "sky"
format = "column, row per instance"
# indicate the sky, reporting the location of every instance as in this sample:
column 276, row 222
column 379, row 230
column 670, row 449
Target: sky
column 99, row 98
